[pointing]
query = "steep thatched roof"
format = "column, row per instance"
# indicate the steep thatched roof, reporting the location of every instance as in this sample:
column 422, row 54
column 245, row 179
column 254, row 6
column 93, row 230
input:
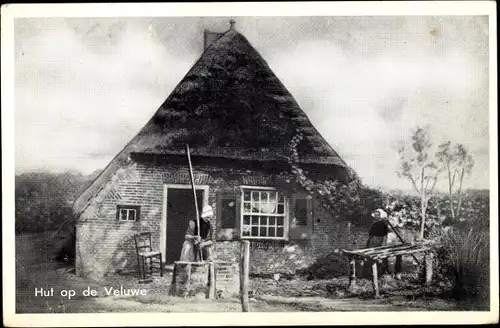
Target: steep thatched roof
column 231, row 105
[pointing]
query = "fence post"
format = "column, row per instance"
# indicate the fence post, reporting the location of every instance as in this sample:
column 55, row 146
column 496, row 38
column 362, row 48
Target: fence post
column 375, row 278
column 428, row 260
column 211, row 280
column 352, row 272
column 244, row 271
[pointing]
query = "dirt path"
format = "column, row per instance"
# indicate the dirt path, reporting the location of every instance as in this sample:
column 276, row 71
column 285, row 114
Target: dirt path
column 356, row 304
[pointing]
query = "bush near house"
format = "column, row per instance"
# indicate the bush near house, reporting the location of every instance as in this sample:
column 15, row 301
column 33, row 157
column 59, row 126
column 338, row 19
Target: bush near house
column 43, row 200
column 464, row 259
column 462, row 251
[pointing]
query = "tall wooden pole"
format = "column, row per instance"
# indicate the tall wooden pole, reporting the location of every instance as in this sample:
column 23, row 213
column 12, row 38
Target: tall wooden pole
column 194, row 197
column 244, row 271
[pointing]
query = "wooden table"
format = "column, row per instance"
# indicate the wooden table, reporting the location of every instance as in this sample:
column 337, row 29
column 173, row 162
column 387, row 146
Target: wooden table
column 377, row 254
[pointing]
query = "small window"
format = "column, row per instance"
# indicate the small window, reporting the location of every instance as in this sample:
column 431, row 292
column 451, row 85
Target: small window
column 128, row 213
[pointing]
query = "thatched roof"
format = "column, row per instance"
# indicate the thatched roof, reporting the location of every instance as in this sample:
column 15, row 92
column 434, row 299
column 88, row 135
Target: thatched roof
column 230, row 105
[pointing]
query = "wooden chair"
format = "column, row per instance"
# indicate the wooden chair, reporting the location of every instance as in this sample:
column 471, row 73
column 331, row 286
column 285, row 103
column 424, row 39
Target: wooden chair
column 145, row 253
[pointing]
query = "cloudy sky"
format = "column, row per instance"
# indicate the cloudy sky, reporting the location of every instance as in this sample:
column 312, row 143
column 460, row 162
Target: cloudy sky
column 84, row 87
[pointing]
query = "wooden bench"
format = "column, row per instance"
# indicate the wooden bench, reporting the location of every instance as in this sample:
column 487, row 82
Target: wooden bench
column 375, row 255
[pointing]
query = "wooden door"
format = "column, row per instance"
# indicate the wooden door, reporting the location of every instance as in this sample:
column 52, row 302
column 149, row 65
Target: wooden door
column 180, row 209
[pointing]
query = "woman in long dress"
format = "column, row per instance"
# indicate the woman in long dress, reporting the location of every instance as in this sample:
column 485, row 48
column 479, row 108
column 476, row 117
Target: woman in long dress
column 193, row 241
column 188, row 252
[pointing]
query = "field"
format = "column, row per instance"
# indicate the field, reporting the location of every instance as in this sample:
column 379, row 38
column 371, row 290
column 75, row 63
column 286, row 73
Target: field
column 35, row 270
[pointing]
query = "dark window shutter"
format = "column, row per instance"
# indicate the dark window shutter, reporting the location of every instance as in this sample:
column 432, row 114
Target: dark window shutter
column 301, row 216
column 228, row 215
column 301, row 212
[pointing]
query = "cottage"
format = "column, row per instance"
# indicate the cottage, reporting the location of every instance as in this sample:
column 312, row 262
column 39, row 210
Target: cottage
column 238, row 120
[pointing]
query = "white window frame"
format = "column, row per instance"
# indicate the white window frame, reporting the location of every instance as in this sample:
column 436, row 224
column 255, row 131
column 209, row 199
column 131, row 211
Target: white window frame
column 128, row 209
column 285, row 215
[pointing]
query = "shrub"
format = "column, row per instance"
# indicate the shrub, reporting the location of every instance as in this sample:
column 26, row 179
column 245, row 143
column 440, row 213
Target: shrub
column 326, row 267
column 43, row 200
column 464, row 257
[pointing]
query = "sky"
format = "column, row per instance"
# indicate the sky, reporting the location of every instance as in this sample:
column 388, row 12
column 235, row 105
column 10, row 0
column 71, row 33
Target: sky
column 84, row 87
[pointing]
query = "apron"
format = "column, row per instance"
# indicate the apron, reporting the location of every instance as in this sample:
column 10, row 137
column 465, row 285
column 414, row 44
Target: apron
column 190, row 252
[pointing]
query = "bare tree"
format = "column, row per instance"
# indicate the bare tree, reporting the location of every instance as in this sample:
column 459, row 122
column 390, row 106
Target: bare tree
column 417, row 165
column 457, row 162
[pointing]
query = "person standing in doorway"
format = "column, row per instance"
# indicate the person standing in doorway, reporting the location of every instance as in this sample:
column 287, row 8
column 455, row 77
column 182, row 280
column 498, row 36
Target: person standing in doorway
column 204, row 241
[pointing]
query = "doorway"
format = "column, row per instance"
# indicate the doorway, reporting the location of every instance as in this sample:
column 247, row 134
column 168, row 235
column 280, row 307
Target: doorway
column 180, row 209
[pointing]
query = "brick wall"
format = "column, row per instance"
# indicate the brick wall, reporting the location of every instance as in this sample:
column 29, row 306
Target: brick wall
column 105, row 245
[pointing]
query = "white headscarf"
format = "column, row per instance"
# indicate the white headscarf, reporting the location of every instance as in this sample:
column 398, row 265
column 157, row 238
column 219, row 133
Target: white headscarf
column 383, row 214
column 207, row 211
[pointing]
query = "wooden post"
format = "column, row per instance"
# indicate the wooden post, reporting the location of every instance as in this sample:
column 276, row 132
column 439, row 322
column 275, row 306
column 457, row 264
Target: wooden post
column 211, row 281
column 244, row 271
column 143, row 267
column 428, row 267
column 161, row 265
column 140, row 266
column 352, row 272
column 398, row 266
column 375, row 278
column 188, row 282
column 174, row 281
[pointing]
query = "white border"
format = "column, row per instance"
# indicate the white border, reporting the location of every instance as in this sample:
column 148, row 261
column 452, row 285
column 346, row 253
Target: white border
column 9, row 12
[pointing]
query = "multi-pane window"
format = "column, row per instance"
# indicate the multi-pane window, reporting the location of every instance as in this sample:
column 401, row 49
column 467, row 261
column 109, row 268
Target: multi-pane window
column 263, row 214
column 127, row 213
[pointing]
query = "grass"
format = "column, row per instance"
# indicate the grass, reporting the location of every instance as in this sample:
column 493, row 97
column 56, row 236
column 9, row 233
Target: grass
column 465, row 259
